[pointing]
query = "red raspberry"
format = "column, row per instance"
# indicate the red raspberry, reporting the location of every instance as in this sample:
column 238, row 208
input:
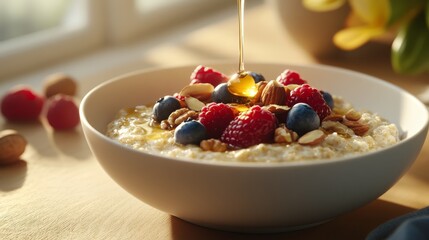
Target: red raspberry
column 216, row 117
column 22, row 104
column 62, row 113
column 252, row 127
column 290, row 77
column 203, row 74
column 312, row 96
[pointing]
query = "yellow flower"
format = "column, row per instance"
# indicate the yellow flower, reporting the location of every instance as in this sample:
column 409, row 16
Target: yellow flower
column 323, row 5
column 367, row 20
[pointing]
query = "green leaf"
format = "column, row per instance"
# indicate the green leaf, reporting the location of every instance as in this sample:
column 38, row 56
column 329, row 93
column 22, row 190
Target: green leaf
column 427, row 14
column 410, row 49
column 400, row 9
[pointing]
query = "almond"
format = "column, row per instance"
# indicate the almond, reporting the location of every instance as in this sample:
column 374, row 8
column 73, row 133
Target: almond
column 333, row 126
column 12, row 146
column 312, row 138
column 200, row 91
column 194, row 104
column 59, row 83
column 353, row 115
column 273, row 93
column 361, row 130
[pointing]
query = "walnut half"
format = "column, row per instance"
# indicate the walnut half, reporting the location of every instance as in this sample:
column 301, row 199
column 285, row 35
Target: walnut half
column 284, row 135
column 177, row 117
column 213, row 145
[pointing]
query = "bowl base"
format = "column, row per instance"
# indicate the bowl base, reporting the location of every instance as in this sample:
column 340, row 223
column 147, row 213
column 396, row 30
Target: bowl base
column 257, row 230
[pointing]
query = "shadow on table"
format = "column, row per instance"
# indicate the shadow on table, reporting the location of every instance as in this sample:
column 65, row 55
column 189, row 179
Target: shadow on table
column 71, row 143
column 48, row 142
column 354, row 225
column 12, row 176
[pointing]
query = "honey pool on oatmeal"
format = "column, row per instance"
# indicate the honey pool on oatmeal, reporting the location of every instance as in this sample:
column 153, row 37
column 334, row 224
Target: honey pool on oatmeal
column 260, row 129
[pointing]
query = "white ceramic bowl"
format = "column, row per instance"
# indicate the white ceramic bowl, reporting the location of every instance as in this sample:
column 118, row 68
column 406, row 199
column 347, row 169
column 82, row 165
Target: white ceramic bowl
column 252, row 196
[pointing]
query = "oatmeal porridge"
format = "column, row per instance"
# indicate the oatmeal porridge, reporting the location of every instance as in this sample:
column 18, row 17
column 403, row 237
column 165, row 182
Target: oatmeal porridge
column 284, row 120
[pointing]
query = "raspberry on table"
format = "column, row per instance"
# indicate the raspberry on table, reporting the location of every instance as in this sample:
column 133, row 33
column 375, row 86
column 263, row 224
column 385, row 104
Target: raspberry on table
column 216, row 117
column 203, row 74
column 252, row 127
column 62, row 112
column 290, row 77
column 312, row 96
column 22, row 104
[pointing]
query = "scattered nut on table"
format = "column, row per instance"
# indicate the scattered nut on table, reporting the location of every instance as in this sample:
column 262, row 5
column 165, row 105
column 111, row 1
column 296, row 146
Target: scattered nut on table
column 59, row 83
column 12, row 146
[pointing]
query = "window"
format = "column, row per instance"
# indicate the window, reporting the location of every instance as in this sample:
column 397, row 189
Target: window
column 34, row 33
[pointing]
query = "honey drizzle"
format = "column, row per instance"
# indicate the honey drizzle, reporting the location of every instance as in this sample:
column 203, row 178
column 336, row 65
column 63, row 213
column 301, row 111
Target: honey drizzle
column 240, row 6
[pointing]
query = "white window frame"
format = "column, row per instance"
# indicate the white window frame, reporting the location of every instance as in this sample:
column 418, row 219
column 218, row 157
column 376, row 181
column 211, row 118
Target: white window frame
column 37, row 49
column 137, row 24
column 105, row 22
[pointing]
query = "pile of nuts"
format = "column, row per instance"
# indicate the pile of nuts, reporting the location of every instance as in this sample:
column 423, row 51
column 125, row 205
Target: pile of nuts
column 21, row 104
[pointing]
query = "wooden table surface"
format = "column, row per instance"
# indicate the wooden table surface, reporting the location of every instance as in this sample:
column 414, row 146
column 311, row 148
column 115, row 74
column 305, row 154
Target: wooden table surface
column 59, row 191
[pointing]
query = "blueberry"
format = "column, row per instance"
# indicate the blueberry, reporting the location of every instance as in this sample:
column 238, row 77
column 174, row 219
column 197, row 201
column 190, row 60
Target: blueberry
column 257, row 77
column 328, row 99
column 302, row 119
column 221, row 94
column 190, row 132
column 164, row 107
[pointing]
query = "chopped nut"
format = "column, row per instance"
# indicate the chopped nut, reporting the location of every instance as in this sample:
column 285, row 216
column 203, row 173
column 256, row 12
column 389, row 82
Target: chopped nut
column 273, row 93
column 177, row 117
column 213, row 145
column 194, row 104
column 312, row 138
column 332, row 126
column 274, row 108
column 351, row 124
column 284, row 135
column 358, row 128
column 334, row 117
column 165, row 125
column 353, row 115
column 201, row 91
column 361, row 130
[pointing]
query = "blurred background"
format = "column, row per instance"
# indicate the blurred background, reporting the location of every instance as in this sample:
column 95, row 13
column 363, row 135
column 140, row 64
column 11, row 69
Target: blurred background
column 100, row 39
column 34, row 33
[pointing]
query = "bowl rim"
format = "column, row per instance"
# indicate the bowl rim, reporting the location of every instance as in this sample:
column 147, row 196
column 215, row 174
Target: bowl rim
column 234, row 164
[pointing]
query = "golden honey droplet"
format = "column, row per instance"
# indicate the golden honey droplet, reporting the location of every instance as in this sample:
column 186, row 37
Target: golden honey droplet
column 243, row 85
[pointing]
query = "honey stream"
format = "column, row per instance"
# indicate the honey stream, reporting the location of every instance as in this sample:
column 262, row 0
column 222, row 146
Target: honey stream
column 242, row 83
